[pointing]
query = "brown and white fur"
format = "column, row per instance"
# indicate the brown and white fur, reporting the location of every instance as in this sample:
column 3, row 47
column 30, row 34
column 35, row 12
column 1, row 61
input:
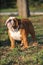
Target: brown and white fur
column 18, row 29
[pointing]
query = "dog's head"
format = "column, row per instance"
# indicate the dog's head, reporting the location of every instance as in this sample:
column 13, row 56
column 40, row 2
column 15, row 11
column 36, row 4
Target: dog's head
column 12, row 22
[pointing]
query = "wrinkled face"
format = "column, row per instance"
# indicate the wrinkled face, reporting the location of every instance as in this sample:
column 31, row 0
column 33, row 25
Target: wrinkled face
column 12, row 22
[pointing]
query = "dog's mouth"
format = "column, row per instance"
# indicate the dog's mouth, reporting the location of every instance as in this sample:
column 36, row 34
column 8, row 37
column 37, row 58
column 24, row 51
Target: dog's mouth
column 15, row 27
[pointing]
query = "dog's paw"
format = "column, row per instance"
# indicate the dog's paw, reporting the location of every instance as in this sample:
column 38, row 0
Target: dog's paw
column 24, row 48
column 11, row 48
column 35, row 44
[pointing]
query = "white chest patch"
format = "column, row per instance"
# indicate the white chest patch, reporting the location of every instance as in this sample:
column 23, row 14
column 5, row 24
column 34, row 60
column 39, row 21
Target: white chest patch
column 15, row 35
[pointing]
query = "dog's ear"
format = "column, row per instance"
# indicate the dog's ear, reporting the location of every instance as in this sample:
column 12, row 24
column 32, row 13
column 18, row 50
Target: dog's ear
column 20, row 23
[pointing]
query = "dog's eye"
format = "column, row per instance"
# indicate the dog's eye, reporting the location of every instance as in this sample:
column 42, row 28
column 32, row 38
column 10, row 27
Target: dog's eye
column 14, row 20
column 10, row 20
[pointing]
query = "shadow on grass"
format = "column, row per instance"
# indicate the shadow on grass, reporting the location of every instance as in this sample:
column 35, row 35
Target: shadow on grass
column 38, row 37
column 10, row 63
column 7, row 42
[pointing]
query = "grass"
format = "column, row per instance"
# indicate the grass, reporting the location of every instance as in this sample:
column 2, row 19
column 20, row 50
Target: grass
column 31, row 56
column 36, row 8
column 8, row 10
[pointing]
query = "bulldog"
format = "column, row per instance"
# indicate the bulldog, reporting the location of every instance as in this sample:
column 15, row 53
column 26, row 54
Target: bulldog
column 19, row 29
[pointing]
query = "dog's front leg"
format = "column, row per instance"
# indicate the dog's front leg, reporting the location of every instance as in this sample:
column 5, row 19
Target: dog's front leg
column 12, row 41
column 24, row 38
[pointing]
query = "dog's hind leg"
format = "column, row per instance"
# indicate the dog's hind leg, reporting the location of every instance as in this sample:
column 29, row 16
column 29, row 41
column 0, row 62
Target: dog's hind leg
column 35, row 43
column 24, row 39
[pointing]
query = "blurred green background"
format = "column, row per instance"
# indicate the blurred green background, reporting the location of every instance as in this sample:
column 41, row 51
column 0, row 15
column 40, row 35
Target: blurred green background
column 11, row 5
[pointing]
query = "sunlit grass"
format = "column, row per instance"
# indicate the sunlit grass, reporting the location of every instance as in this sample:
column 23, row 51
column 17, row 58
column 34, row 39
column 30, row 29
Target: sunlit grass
column 8, row 10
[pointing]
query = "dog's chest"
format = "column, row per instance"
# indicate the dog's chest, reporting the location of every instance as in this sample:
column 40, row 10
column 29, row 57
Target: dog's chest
column 15, row 35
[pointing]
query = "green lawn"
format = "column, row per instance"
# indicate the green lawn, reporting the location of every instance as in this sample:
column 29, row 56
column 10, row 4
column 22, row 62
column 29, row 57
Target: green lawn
column 31, row 56
column 8, row 10
column 36, row 9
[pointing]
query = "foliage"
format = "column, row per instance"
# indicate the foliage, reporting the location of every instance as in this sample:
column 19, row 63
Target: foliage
column 8, row 3
column 12, row 3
